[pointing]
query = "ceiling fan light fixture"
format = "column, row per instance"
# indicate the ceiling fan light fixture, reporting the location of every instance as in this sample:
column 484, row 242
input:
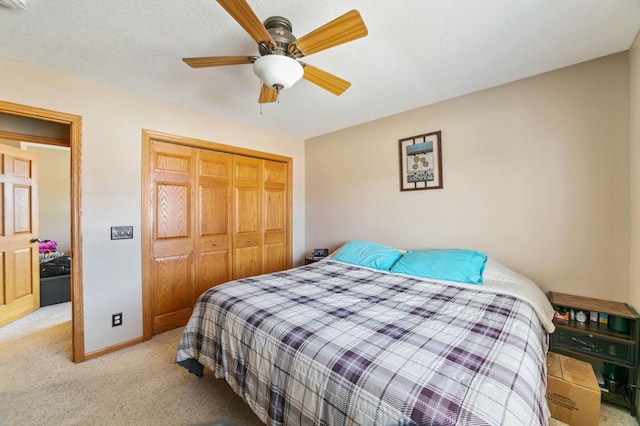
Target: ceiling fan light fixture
column 278, row 71
column 14, row 4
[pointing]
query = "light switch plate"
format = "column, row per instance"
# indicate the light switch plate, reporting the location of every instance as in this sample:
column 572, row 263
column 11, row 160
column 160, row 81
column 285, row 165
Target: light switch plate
column 121, row 232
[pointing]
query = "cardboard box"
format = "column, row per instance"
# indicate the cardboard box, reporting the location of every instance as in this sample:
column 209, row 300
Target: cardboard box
column 573, row 393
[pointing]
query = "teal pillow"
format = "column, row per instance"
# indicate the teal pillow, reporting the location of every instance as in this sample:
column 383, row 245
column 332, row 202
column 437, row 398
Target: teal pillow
column 368, row 254
column 464, row 266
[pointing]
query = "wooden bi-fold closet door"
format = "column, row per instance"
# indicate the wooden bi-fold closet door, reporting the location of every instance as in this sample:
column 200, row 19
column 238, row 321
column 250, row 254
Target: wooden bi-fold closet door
column 247, row 199
column 213, row 220
column 214, row 216
column 274, row 229
column 260, row 216
column 191, row 232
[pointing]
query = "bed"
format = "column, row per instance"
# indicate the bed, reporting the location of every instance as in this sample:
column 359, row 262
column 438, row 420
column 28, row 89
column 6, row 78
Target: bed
column 338, row 343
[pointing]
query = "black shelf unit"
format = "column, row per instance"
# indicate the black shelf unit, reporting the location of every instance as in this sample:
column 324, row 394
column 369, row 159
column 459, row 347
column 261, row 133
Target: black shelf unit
column 598, row 343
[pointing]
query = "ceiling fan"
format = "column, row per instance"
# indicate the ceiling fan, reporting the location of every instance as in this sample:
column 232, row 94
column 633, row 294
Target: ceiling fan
column 278, row 66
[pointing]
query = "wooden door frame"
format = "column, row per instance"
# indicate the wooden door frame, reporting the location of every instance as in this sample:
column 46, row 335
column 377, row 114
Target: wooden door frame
column 147, row 191
column 75, row 133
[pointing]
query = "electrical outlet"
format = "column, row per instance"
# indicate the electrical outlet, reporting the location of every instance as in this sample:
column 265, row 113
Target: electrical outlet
column 116, row 319
column 121, row 232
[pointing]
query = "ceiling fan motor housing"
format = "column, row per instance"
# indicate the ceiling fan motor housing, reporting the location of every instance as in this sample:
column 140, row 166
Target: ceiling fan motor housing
column 280, row 29
column 277, row 68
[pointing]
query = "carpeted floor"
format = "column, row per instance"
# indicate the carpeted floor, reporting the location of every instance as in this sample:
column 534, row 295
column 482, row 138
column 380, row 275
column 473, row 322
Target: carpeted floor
column 140, row 385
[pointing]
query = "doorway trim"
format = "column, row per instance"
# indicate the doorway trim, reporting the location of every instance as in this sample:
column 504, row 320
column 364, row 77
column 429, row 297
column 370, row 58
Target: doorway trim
column 75, row 133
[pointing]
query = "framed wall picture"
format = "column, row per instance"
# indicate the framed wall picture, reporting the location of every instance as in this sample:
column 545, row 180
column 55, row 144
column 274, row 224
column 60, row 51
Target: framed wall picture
column 421, row 162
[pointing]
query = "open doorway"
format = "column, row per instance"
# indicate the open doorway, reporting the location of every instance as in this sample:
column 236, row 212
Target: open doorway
column 31, row 125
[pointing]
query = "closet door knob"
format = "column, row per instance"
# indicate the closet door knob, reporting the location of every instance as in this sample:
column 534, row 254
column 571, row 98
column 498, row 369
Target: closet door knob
column 35, row 240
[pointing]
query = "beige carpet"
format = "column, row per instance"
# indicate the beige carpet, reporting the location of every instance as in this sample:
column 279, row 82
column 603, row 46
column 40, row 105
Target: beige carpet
column 140, row 385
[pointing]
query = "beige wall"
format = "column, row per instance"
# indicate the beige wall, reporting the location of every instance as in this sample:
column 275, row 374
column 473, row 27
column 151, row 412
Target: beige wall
column 634, row 68
column 15, row 144
column 536, row 174
column 111, row 178
column 54, row 187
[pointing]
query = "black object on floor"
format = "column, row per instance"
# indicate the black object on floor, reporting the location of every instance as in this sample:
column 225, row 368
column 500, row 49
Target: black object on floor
column 55, row 281
column 55, row 290
column 58, row 266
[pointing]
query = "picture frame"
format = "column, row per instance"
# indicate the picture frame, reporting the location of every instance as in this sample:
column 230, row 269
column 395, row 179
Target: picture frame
column 421, row 162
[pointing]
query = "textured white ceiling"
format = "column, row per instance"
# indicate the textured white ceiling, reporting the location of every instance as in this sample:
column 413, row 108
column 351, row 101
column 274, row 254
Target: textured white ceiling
column 417, row 52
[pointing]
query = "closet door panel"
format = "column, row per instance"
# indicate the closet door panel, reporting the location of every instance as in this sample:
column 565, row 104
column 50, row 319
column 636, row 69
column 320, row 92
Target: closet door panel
column 247, row 262
column 247, row 209
column 173, row 210
column 275, row 236
column 275, row 256
column 172, row 192
column 213, row 269
column 172, row 304
column 213, row 264
column 172, row 204
column 247, row 199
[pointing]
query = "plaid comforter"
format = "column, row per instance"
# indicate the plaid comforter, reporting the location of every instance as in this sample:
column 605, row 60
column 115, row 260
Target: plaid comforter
column 336, row 344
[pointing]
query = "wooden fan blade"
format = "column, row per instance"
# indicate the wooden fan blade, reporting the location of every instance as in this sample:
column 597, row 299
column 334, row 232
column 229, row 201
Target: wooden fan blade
column 347, row 27
column 246, row 17
column 327, row 81
column 216, row 61
column 267, row 95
